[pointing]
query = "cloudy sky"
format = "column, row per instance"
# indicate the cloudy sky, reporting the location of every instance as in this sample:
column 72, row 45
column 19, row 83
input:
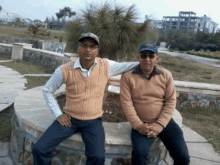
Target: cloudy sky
column 156, row 9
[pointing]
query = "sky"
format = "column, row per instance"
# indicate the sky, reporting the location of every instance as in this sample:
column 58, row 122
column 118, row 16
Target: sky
column 155, row 9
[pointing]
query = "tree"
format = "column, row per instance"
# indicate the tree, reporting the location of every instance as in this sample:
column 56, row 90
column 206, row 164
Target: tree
column 0, row 8
column 66, row 11
column 119, row 34
column 18, row 22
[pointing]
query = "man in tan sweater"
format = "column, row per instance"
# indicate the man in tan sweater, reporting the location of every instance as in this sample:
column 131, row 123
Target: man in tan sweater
column 148, row 99
column 85, row 80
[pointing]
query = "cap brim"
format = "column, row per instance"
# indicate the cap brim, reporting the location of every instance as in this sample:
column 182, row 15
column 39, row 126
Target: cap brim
column 147, row 49
column 89, row 38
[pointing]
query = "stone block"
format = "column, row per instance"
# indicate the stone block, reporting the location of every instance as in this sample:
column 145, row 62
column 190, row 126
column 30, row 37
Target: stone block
column 163, row 152
column 213, row 104
column 168, row 158
column 4, row 149
column 203, row 103
column 56, row 161
column 185, row 104
column 73, row 160
column 28, row 144
column 191, row 96
column 210, row 97
column 162, row 162
column 199, row 97
column 154, row 156
column 6, row 161
column 218, row 104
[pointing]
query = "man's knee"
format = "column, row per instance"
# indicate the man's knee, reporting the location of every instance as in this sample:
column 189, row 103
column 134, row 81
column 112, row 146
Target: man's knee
column 183, row 159
column 37, row 149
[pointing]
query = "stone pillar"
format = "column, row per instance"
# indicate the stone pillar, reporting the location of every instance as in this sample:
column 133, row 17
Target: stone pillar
column 17, row 51
column 41, row 43
column 163, row 44
column 69, row 57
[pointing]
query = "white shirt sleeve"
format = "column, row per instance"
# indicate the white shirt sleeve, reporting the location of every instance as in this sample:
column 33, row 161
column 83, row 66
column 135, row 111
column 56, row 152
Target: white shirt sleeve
column 116, row 68
column 55, row 81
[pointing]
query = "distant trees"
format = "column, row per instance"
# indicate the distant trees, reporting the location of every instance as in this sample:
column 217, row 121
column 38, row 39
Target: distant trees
column 183, row 41
column 60, row 22
column 0, row 8
column 65, row 12
column 120, row 34
column 18, row 22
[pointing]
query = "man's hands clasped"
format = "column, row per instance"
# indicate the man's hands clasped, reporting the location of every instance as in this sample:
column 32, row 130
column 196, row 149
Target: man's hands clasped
column 150, row 130
column 64, row 120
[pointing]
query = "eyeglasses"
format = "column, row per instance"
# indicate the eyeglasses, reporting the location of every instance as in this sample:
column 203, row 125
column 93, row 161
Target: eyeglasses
column 86, row 46
column 143, row 56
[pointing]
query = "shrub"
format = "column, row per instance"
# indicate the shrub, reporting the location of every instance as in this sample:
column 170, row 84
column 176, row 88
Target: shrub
column 116, row 28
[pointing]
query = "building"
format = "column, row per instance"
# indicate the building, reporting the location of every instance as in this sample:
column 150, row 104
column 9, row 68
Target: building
column 188, row 21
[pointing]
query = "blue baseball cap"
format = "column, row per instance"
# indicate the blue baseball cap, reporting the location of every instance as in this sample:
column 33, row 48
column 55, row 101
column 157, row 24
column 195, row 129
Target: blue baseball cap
column 150, row 46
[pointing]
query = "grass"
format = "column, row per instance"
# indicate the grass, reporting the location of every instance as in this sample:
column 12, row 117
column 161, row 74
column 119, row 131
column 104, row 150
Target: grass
column 186, row 70
column 205, row 122
column 22, row 32
column 25, row 67
column 36, row 81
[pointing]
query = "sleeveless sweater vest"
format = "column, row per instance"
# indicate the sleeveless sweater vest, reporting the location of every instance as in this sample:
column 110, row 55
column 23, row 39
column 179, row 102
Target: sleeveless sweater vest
column 84, row 95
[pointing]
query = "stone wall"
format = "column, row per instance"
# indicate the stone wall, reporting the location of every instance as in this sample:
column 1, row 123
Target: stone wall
column 12, row 40
column 5, row 50
column 185, row 99
column 38, row 44
column 42, row 57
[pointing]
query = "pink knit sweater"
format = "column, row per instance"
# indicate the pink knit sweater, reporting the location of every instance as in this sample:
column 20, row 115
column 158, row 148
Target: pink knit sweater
column 146, row 100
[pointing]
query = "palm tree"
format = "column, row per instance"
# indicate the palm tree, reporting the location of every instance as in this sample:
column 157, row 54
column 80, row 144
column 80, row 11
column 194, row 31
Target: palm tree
column 116, row 27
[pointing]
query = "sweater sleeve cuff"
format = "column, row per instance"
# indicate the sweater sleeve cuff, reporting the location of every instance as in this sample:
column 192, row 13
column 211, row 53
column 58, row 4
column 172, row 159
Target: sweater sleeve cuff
column 160, row 124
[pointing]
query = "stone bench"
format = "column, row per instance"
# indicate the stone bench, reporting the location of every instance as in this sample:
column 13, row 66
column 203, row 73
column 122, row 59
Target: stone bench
column 32, row 118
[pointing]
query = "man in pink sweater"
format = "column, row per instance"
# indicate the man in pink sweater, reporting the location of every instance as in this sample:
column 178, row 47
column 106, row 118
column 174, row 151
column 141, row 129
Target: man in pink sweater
column 148, row 99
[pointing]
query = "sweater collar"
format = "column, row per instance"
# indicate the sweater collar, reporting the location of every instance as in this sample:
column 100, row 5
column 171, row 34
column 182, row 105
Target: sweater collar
column 77, row 64
column 137, row 70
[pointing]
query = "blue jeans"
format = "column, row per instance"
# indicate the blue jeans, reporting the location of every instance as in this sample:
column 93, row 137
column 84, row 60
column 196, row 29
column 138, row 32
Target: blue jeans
column 172, row 138
column 92, row 134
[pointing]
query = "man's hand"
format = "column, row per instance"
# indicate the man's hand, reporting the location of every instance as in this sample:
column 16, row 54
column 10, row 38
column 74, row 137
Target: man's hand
column 155, row 129
column 64, row 120
column 144, row 129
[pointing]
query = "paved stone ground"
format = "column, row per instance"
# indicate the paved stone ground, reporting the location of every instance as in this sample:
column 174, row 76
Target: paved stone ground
column 12, row 84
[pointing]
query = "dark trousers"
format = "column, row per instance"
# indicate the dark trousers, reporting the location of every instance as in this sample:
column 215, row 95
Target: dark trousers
column 92, row 134
column 172, row 138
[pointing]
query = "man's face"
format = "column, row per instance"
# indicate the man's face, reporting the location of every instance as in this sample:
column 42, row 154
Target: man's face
column 147, row 60
column 88, row 50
